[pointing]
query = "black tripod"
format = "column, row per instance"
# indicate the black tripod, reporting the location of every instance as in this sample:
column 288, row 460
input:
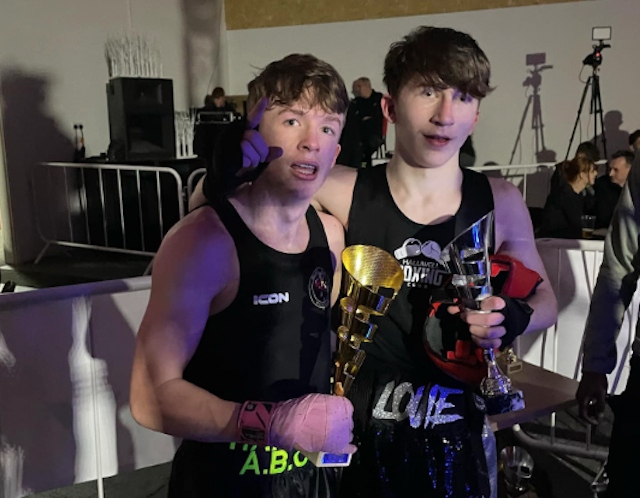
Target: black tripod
column 594, row 60
column 536, row 116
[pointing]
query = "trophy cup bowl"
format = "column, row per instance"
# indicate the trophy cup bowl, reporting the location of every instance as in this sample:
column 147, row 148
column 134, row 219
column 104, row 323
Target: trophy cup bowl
column 467, row 259
column 371, row 280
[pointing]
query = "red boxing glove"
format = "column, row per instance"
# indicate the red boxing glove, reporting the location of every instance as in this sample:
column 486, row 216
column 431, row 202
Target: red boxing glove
column 447, row 340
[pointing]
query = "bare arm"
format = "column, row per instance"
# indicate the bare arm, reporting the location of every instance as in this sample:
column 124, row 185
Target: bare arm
column 335, row 237
column 336, row 193
column 193, row 270
column 514, row 237
column 197, row 198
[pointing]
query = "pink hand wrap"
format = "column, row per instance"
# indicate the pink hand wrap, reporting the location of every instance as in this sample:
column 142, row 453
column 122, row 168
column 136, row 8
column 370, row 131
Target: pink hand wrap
column 315, row 422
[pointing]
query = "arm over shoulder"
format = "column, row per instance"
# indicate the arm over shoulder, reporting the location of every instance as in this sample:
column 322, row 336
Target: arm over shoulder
column 335, row 195
column 335, row 236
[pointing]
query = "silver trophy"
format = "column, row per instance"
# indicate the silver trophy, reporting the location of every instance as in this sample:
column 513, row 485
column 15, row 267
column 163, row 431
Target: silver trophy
column 467, row 259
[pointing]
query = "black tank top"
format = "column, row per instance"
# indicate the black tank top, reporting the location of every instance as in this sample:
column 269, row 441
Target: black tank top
column 375, row 219
column 272, row 343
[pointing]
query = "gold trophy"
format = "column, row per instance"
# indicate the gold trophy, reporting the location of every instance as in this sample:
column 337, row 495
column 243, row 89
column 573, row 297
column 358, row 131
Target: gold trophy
column 371, row 280
column 467, row 259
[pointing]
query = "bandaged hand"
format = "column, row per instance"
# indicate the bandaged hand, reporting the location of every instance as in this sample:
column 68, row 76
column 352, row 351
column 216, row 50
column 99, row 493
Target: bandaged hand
column 314, row 422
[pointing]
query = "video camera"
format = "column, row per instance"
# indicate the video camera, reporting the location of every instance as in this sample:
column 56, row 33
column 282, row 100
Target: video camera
column 599, row 34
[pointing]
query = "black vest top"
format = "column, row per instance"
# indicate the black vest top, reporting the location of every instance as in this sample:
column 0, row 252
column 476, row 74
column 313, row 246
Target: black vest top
column 270, row 344
column 273, row 342
column 375, row 219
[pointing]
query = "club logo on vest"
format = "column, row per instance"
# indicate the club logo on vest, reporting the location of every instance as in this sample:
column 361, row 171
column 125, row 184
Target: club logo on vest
column 319, row 288
column 421, row 263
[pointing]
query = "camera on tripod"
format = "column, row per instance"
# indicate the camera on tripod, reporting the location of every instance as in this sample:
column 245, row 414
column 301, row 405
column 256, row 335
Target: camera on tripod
column 599, row 34
column 538, row 61
column 594, row 59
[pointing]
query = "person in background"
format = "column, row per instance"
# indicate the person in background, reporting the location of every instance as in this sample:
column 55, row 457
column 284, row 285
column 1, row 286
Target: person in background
column 368, row 114
column 616, row 284
column 634, row 141
column 565, row 206
column 608, row 187
column 217, row 101
column 588, row 149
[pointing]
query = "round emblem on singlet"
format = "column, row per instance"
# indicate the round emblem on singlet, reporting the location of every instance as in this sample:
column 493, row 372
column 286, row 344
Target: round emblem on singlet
column 319, row 288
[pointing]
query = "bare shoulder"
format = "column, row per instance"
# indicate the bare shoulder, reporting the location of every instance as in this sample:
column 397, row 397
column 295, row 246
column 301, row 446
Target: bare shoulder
column 502, row 187
column 336, row 193
column 197, row 250
column 511, row 213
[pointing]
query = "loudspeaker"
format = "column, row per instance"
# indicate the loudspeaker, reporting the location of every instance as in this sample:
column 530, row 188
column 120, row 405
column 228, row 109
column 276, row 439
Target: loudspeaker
column 141, row 119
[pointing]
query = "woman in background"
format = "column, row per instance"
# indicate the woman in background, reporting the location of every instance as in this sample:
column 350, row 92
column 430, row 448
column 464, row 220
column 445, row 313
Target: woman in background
column 565, row 206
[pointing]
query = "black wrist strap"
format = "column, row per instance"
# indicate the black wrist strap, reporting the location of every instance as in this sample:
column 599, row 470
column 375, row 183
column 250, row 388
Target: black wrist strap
column 517, row 315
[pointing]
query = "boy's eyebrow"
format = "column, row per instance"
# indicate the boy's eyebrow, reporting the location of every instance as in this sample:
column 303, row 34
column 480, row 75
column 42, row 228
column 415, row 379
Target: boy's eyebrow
column 300, row 112
column 333, row 117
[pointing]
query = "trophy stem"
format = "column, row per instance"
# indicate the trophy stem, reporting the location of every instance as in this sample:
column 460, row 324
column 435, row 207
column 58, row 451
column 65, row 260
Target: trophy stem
column 495, row 383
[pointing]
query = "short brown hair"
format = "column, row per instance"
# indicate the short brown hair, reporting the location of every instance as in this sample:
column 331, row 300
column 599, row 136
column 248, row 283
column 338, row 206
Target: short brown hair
column 217, row 92
column 442, row 58
column 285, row 81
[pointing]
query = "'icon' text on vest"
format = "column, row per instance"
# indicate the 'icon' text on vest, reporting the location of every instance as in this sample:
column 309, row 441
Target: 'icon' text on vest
column 274, row 298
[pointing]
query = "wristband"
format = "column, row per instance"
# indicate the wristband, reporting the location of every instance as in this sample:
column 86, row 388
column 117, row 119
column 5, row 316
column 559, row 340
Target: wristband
column 254, row 421
column 517, row 314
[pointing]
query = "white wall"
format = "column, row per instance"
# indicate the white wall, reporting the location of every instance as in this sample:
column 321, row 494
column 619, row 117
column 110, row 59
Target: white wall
column 53, row 74
column 507, row 35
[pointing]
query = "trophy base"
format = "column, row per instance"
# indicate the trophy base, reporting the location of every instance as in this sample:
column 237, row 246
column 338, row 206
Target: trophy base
column 322, row 459
column 504, row 403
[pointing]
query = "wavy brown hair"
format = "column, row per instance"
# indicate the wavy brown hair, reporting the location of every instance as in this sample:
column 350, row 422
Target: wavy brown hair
column 582, row 163
column 439, row 58
column 300, row 76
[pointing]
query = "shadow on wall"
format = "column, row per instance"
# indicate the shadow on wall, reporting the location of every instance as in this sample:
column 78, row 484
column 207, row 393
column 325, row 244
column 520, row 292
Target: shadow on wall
column 65, row 368
column 202, row 47
column 126, row 446
column 37, row 445
column 617, row 139
column 31, row 136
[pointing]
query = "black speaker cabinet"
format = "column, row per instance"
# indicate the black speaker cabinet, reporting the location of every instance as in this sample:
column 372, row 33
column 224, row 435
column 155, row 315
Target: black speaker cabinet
column 141, row 119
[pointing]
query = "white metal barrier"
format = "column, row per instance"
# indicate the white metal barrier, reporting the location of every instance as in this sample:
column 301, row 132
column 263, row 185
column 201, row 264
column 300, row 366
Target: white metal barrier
column 65, row 363
column 573, row 267
column 193, row 179
column 107, row 207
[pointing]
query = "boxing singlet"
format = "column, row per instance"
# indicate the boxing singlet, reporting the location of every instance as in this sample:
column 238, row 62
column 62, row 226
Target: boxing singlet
column 418, row 430
column 271, row 344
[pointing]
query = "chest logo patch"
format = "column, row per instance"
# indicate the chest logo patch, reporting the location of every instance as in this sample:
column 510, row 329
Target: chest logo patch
column 319, row 292
column 421, row 263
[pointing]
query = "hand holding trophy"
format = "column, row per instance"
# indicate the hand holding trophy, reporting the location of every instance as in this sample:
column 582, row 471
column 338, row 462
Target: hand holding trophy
column 372, row 279
column 467, row 259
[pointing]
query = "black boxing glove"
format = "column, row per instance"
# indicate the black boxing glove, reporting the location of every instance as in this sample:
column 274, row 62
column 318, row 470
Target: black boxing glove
column 517, row 315
column 240, row 155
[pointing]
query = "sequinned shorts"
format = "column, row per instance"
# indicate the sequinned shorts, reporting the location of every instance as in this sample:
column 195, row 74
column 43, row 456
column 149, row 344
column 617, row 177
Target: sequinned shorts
column 415, row 439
